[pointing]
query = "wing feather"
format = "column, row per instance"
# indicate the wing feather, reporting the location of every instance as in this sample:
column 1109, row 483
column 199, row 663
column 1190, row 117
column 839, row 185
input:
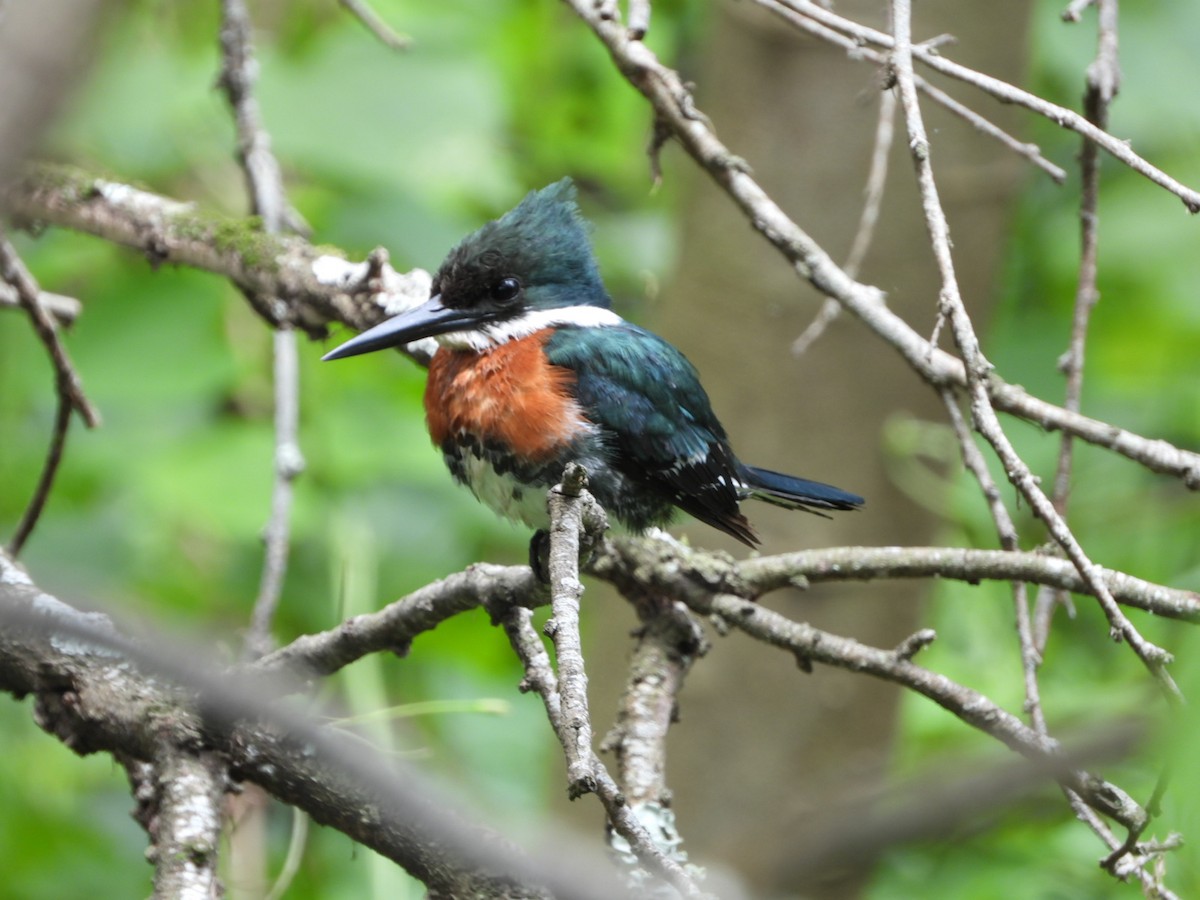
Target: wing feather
column 656, row 417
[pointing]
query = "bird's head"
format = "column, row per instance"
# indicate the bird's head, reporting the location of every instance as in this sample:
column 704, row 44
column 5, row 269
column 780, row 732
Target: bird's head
column 530, row 269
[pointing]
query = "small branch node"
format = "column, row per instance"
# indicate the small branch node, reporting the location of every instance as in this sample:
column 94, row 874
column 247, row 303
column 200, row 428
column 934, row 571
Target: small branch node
column 914, row 644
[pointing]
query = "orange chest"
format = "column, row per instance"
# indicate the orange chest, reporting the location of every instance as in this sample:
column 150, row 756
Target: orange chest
column 509, row 395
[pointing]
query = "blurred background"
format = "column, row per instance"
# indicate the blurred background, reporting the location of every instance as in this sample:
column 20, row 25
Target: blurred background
column 158, row 514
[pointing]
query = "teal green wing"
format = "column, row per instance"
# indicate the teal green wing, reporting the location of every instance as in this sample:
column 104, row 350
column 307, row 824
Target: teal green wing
column 656, row 418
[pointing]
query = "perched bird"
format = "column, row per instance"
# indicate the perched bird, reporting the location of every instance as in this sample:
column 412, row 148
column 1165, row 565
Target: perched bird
column 534, row 370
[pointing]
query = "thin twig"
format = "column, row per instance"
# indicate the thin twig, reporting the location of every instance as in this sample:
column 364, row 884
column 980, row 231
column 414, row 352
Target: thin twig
column 865, row 233
column 566, row 503
column 1007, row 531
column 264, row 181
column 1074, row 10
column 978, row 369
column 71, row 397
column 13, row 271
column 239, row 70
column 289, row 464
column 856, row 50
column 639, row 18
column 374, row 23
column 1103, row 82
column 969, row 706
column 1029, row 151
column 41, row 493
column 1007, row 93
column 540, row 677
column 65, row 310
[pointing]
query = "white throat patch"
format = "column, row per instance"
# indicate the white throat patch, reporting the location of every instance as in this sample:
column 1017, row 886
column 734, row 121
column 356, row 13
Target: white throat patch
column 533, row 321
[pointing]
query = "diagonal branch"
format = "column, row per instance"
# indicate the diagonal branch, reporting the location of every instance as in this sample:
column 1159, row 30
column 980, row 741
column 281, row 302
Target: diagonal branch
column 98, row 691
column 317, row 285
column 1103, row 80
column 856, row 50
column 375, row 24
column 264, row 181
column 978, row 368
column 1006, row 93
column 676, row 110
column 13, row 271
column 540, row 677
column 661, row 564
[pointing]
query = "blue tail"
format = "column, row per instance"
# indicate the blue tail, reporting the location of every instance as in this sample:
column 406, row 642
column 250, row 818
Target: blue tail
column 797, row 493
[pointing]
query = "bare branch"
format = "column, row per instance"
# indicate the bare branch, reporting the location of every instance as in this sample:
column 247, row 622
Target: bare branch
column 312, row 286
column 1006, row 93
column 123, row 700
column 568, row 501
column 1031, row 657
column 374, row 23
column 185, row 821
column 71, row 397
column 239, row 71
column 13, row 271
column 65, row 310
column 978, row 368
column 855, row 50
column 289, row 463
column 394, row 627
column 872, row 202
column 664, row 565
column 754, row 577
column 264, row 181
column 540, row 677
column 41, row 493
column 1103, row 79
column 674, row 107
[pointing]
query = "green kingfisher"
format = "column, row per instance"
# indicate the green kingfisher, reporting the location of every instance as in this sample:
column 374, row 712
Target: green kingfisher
column 534, row 370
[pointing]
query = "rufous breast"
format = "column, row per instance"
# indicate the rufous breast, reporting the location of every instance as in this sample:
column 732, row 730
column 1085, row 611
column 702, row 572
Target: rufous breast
column 509, row 394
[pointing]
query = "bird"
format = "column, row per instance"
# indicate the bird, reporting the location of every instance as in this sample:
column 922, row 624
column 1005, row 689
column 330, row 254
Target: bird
column 534, row 370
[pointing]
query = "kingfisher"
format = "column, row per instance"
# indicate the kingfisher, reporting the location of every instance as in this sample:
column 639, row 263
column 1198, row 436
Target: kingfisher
column 535, row 370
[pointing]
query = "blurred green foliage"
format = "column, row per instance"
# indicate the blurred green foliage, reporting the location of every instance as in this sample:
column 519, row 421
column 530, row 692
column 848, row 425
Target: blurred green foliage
column 158, row 514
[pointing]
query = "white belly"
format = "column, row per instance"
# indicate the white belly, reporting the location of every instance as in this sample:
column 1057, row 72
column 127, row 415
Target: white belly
column 505, row 495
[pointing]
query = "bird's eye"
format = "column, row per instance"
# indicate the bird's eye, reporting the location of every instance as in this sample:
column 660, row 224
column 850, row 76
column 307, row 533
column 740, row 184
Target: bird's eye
column 506, row 290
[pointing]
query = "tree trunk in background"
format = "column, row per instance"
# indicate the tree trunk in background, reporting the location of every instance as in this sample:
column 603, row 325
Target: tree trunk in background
column 763, row 753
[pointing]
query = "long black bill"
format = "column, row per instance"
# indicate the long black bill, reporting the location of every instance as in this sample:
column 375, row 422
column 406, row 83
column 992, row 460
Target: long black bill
column 427, row 320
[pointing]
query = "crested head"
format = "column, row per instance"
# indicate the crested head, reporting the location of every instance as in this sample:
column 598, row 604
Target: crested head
column 529, row 270
column 539, row 250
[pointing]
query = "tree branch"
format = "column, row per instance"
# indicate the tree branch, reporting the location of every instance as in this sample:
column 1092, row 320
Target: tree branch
column 1006, row 93
column 567, row 502
column 99, row 692
column 676, row 110
column 264, row 182
column 1103, row 79
column 657, row 563
column 313, row 285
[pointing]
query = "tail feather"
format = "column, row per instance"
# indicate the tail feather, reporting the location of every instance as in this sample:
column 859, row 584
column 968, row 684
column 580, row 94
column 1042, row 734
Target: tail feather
column 797, row 493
